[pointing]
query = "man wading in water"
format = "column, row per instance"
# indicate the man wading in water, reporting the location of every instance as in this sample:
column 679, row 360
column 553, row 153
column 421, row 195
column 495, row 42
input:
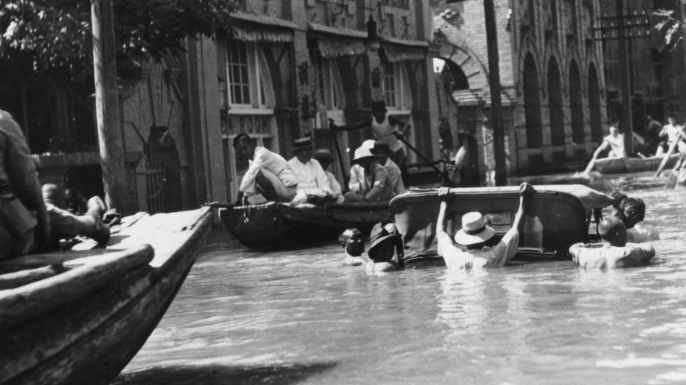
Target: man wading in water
column 613, row 251
column 475, row 245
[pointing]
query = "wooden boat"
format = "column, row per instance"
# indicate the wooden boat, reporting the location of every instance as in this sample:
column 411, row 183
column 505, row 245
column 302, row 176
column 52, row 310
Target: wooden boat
column 280, row 225
column 563, row 212
column 78, row 317
column 631, row 165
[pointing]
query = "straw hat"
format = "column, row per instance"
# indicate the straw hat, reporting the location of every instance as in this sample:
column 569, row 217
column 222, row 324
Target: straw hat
column 322, row 154
column 380, row 234
column 364, row 151
column 474, row 230
column 304, row 143
column 380, row 146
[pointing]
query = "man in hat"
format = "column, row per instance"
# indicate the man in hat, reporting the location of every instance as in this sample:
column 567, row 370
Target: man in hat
column 369, row 181
column 382, row 153
column 474, row 244
column 613, row 251
column 268, row 173
column 324, row 158
column 353, row 246
column 312, row 181
column 386, row 251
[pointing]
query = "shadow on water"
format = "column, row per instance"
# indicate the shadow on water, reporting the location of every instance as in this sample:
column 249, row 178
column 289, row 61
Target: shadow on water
column 224, row 375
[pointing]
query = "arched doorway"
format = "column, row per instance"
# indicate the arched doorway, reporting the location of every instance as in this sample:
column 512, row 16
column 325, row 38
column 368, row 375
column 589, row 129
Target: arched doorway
column 532, row 104
column 557, row 128
column 594, row 104
column 576, row 103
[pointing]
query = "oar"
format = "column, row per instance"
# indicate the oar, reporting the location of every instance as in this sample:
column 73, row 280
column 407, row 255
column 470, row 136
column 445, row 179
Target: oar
column 589, row 167
column 424, row 158
column 669, row 153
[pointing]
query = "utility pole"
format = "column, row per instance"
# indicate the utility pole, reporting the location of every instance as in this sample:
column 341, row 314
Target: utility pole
column 110, row 141
column 627, row 118
column 494, row 83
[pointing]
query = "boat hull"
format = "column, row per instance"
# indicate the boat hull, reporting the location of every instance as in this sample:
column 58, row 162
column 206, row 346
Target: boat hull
column 554, row 221
column 275, row 225
column 631, row 165
column 90, row 339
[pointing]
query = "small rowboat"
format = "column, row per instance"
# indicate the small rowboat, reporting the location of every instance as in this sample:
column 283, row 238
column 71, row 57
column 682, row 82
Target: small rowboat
column 631, row 165
column 78, row 317
column 558, row 216
column 280, row 225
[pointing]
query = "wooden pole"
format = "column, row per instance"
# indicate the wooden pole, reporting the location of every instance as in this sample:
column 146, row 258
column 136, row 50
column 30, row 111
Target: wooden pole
column 494, row 82
column 110, row 141
column 627, row 107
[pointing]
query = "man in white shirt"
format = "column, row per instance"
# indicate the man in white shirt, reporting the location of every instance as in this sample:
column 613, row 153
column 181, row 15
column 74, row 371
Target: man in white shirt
column 268, row 173
column 311, row 178
column 382, row 153
column 369, row 181
column 474, row 244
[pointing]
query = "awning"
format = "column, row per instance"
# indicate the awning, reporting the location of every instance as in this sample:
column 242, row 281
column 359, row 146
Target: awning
column 480, row 97
column 336, row 47
column 254, row 35
column 394, row 52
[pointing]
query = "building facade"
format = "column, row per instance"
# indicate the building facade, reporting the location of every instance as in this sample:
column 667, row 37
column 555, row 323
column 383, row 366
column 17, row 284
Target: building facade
column 656, row 71
column 290, row 66
column 552, row 77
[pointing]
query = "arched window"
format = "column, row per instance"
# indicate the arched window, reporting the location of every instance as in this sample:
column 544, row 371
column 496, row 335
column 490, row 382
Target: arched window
column 594, row 104
column 556, row 109
column 576, row 104
column 532, row 104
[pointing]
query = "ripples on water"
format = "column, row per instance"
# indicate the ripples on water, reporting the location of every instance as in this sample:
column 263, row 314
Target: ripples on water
column 285, row 318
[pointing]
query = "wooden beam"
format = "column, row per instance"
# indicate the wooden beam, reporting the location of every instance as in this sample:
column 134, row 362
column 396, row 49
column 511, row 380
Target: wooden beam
column 110, row 140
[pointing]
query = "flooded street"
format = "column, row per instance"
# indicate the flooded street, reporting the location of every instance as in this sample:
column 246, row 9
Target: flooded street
column 300, row 317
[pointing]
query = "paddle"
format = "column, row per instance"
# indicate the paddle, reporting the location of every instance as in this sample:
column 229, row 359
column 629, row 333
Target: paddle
column 664, row 161
column 589, row 167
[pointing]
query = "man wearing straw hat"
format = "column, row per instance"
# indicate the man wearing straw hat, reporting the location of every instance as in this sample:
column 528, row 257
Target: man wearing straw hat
column 369, row 181
column 312, row 181
column 475, row 244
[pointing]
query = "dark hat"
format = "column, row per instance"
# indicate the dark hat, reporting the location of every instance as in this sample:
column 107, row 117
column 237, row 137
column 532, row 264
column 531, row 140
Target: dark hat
column 382, row 233
column 322, row 155
column 302, row 143
column 240, row 136
column 380, row 146
column 633, row 210
column 612, row 229
column 378, row 105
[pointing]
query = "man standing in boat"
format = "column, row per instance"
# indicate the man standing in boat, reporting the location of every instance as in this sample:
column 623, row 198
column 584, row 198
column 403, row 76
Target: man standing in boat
column 475, row 244
column 268, row 173
column 613, row 142
column 313, row 184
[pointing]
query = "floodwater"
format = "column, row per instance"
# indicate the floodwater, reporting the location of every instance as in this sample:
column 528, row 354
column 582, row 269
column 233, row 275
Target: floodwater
column 301, row 318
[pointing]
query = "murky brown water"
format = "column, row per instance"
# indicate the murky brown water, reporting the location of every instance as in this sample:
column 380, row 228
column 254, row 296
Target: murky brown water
column 301, row 318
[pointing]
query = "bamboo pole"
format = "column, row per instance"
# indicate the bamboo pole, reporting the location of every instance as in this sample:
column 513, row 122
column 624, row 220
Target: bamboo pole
column 110, row 141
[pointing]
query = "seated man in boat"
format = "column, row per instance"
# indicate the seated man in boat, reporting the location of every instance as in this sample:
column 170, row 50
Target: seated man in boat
column 632, row 211
column 353, row 246
column 324, row 158
column 386, row 251
column 26, row 225
column 613, row 142
column 65, row 225
column 268, row 173
column 383, row 153
column 313, row 184
column 613, row 251
column 369, row 181
column 475, row 244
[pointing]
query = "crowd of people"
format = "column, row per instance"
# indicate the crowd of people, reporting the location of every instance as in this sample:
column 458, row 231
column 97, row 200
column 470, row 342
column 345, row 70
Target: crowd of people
column 376, row 174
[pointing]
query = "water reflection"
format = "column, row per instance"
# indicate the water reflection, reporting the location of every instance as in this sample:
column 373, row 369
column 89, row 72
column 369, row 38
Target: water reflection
column 536, row 323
